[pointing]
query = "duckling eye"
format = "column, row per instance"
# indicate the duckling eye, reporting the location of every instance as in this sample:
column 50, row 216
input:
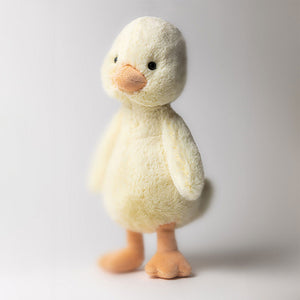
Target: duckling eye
column 152, row 65
column 115, row 59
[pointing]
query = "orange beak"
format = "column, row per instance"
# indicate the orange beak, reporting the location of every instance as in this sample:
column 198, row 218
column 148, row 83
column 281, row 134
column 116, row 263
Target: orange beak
column 128, row 79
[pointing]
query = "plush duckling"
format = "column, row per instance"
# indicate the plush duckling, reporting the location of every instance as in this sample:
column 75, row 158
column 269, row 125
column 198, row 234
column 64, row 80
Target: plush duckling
column 147, row 165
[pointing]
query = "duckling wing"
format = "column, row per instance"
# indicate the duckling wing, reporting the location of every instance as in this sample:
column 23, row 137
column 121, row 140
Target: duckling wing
column 103, row 153
column 183, row 158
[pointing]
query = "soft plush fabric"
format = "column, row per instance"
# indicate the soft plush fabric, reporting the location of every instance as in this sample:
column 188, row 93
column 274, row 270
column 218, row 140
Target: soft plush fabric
column 147, row 165
column 128, row 79
column 152, row 169
column 126, row 259
column 183, row 157
column 145, row 40
column 168, row 262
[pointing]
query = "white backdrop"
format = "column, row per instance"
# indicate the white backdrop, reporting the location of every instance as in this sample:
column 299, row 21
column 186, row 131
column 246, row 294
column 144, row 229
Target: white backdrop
column 241, row 102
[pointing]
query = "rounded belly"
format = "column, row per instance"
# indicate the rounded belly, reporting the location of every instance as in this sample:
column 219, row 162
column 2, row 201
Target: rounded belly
column 138, row 190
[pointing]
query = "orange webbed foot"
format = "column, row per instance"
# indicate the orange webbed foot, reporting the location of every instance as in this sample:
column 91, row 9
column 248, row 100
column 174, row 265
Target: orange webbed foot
column 168, row 265
column 121, row 261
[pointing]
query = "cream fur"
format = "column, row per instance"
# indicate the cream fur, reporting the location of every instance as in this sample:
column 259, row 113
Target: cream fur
column 183, row 158
column 103, row 153
column 141, row 41
column 148, row 166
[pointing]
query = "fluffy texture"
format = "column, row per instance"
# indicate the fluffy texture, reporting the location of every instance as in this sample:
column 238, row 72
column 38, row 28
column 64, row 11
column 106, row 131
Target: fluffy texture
column 129, row 80
column 168, row 262
column 144, row 40
column 148, row 166
column 127, row 259
column 183, row 158
column 103, row 153
column 139, row 190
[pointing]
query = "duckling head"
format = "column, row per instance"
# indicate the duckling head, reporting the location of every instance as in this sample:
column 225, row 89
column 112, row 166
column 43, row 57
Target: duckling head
column 146, row 64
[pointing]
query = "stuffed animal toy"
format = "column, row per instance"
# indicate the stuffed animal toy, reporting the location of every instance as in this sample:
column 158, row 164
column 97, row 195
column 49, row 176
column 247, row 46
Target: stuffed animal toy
column 147, row 165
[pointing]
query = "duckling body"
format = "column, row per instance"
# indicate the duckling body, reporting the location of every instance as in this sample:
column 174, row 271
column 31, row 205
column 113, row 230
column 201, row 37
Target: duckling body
column 139, row 192
column 148, row 166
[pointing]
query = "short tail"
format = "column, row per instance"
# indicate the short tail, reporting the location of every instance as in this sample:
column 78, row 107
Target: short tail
column 206, row 197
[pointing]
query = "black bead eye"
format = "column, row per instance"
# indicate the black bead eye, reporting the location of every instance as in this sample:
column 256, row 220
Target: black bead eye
column 152, row 65
column 115, row 59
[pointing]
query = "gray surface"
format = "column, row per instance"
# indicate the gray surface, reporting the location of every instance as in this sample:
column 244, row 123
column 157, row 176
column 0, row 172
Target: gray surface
column 241, row 103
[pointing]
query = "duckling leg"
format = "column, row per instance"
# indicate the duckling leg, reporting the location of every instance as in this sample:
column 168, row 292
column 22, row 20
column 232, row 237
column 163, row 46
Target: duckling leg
column 127, row 259
column 168, row 262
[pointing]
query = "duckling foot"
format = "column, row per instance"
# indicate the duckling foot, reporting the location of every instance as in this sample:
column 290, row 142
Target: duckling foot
column 168, row 265
column 127, row 259
column 121, row 261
